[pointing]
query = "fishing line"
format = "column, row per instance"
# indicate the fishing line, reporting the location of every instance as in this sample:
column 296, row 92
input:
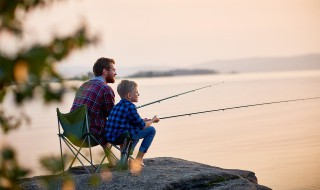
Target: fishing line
column 158, row 101
column 236, row 107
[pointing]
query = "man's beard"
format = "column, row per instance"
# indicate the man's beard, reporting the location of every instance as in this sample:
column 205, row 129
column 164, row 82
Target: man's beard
column 110, row 79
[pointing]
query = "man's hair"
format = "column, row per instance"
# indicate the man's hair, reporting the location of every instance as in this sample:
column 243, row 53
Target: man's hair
column 125, row 87
column 100, row 64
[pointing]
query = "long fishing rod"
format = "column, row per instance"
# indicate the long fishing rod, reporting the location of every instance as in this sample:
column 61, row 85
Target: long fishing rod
column 158, row 101
column 236, row 107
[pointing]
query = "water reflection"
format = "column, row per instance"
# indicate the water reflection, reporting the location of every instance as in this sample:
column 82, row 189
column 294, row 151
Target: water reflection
column 280, row 142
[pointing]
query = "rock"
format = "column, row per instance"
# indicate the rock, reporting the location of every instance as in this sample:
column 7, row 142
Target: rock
column 159, row 173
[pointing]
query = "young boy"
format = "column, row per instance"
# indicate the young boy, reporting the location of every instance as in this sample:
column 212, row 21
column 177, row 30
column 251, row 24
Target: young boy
column 124, row 117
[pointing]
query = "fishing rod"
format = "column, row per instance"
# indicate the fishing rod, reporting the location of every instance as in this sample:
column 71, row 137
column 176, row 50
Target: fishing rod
column 236, row 107
column 158, row 101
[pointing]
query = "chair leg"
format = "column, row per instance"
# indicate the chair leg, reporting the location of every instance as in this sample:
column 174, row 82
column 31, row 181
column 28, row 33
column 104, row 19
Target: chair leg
column 125, row 151
column 76, row 156
column 62, row 160
column 79, row 152
column 107, row 151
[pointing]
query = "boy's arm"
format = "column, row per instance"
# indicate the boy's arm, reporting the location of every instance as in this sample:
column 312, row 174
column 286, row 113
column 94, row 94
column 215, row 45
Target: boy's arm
column 134, row 118
column 148, row 122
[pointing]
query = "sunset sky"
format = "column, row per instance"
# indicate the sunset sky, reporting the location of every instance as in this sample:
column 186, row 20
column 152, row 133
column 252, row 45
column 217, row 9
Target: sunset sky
column 180, row 33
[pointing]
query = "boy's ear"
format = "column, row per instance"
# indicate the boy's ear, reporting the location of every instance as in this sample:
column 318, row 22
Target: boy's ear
column 129, row 95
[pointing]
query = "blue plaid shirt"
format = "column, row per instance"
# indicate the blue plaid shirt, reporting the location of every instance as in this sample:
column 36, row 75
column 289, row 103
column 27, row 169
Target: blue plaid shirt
column 123, row 117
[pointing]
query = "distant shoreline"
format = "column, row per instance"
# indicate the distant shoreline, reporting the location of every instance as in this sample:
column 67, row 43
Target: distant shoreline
column 176, row 72
column 231, row 66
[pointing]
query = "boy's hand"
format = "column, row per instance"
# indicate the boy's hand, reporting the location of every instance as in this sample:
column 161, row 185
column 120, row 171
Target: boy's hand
column 155, row 119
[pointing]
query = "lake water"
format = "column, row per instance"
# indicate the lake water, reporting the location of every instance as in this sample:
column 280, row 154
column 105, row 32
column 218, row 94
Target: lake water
column 279, row 142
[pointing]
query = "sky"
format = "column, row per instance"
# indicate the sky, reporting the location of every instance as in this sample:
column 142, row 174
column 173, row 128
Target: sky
column 150, row 34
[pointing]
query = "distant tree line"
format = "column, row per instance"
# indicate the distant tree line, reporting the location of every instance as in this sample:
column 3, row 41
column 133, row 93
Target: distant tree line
column 176, row 72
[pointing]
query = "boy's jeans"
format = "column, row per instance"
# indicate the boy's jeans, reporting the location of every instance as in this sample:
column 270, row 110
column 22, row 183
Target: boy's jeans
column 147, row 135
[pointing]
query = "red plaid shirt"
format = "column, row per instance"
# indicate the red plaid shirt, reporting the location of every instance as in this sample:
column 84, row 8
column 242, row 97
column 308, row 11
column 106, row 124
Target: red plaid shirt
column 98, row 96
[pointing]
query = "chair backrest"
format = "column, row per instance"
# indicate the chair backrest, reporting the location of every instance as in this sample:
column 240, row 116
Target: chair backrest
column 75, row 126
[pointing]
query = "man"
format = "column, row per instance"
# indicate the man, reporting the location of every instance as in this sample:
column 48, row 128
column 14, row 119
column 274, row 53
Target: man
column 98, row 97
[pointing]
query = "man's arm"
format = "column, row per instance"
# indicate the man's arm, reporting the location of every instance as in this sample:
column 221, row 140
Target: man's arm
column 109, row 99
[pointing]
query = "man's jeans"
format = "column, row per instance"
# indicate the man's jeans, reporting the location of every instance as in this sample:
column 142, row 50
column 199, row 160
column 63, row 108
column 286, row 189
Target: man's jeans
column 147, row 134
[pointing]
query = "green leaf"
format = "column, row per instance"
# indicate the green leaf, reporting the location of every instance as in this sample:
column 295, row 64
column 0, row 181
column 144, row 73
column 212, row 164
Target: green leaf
column 7, row 154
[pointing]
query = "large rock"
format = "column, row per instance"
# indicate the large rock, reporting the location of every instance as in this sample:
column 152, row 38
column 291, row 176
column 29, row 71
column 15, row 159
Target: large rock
column 159, row 173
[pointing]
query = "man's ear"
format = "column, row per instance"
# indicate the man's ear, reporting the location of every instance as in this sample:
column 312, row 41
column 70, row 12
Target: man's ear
column 104, row 71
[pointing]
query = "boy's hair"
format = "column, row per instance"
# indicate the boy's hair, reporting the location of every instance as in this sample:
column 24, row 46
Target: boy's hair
column 100, row 64
column 125, row 87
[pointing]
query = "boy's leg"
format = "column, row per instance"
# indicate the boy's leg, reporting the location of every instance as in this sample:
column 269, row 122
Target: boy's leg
column 134, row 144
column 147, row 135
column 140, row 156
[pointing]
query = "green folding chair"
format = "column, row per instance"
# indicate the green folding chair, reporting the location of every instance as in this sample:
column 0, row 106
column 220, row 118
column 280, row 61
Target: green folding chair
column 76, row 135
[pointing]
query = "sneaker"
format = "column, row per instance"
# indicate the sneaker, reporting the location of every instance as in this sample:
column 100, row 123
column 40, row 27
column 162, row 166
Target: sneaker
column 136, row 166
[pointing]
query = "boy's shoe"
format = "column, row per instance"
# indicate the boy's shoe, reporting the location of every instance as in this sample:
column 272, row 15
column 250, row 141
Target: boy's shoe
column 135, row 167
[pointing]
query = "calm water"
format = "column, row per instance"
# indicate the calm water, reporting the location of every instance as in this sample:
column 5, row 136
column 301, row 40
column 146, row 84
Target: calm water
column 279, row 142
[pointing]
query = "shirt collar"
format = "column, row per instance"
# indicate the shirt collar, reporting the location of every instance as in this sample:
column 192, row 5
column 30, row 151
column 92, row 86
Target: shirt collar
column 99, row 78
column 125, row 100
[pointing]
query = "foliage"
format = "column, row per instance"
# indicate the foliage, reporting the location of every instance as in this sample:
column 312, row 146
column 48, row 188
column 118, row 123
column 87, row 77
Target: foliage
column 28, row 70
column 53, row 164
column 32, row 67
column 10, row 171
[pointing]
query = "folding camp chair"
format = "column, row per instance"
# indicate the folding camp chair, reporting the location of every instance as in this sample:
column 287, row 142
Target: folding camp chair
column 76, row 135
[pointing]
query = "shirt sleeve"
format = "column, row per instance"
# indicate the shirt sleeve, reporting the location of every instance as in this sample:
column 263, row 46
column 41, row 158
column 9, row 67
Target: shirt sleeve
column 135, row 120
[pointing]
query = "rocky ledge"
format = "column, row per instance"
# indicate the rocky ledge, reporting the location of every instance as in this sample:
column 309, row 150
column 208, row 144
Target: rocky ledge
column 159, row 173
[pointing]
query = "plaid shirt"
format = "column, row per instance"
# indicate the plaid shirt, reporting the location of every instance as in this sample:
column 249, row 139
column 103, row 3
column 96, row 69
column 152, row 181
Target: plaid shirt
column 123, row 117
column 99, row 99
